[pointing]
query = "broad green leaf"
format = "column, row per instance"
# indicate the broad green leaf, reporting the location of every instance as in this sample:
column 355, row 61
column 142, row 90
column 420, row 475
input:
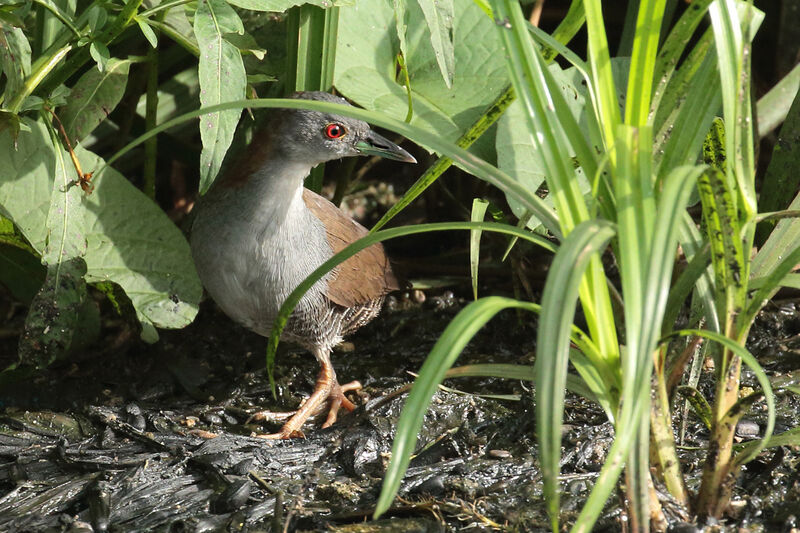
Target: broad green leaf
column 55, row 310
column 21, row 272
column 283, row 5
column 439, row 15
column 97, row 17
column 175, row 96
column 519, row 156
column 54, row 314
column 100, row 54
column 222, row 79
column 15, row 58
column 366, row 72
column 145, row 254
column 25, row 183
column 93, row 97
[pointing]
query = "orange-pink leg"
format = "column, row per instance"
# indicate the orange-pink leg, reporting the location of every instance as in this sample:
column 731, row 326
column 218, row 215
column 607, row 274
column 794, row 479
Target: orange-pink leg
column 327, row 389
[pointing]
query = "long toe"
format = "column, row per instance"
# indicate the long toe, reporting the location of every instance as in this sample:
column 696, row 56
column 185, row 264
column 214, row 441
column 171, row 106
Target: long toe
column 270, row 416
column 337, row 399
column 284, row 433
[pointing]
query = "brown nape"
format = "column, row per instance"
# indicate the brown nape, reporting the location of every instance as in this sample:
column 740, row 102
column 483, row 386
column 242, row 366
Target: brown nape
column 364, row 277
column 258, row 151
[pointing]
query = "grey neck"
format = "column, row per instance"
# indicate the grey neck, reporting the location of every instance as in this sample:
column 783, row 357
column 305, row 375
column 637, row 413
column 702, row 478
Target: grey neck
column 271, row 194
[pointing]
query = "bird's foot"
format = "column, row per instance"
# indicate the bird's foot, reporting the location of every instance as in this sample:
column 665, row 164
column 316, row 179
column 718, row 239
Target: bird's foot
column 268, row 416
column 327, row 390
column 337, row 399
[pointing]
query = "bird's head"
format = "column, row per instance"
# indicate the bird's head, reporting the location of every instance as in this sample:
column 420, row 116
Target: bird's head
column 315, row 137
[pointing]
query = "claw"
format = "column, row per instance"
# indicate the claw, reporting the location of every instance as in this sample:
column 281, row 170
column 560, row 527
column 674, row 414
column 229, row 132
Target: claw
column 326, row 389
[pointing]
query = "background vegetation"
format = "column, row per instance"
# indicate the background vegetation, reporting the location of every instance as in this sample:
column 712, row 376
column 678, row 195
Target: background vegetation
column 641, row 149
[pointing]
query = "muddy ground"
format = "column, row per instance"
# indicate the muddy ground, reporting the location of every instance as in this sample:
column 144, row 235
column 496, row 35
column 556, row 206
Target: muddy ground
column 133, row 437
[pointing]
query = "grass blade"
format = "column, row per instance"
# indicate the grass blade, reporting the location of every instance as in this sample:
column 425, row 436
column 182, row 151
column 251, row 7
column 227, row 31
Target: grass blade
column 479, row 206
column 553, row 343
column 469, row 162
column 447, row 349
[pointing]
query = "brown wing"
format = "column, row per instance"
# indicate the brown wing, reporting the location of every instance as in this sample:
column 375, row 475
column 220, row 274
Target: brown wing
column 365, row 276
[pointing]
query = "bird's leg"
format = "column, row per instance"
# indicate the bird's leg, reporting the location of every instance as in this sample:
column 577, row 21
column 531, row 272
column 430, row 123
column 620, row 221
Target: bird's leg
column 326, row 388
column 337, row 399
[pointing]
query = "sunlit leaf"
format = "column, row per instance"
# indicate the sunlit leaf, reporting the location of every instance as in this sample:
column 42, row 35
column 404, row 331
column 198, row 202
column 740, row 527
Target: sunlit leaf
column 93, row 97
column 222, row 79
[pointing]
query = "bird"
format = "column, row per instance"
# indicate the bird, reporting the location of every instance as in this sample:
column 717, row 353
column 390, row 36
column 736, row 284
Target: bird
column 258, row 233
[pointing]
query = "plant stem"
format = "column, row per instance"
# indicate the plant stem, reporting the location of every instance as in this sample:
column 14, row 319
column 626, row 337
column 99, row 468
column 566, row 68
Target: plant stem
column 76, row 62
column 40, row 72
column 151, row 115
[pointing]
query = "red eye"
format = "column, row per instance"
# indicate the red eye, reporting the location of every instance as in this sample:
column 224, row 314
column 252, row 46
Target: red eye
column 335, row 131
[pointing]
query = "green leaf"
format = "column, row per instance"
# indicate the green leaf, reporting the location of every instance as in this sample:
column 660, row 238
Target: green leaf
column 148, row 32
column 145, row 254
column 733, row 32
column 55, row 310
column 553, row 343
column 401, row 26
column 518, row 156
column 439, row 16
column 15, row 58
column 222, row 79
column 54, row 314
column 479, row 206
column 773, row 107
column 723, row 225
column 643, row 61
column 93, row 97
column 698, row 402
column 21, row 272
column 366, row 73
column 783, row 172
column 283, row 5
column 674, row 47
column 97, row 17
column 100, row 54
column 443, row 355
column 246, row 44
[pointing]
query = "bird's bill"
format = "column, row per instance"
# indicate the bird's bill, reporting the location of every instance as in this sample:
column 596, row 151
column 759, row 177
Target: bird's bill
column 375, row 144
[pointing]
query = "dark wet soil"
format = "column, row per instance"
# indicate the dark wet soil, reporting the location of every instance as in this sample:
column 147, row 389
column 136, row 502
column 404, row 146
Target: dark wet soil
column 156, row 438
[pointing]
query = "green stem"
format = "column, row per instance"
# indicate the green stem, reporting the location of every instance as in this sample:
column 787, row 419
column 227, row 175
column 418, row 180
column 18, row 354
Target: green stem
column 151, row 116
column 76, row 62
column 166, row 6
column 176, row 36
column 62, row 17
column 443, row 163
column 42, row 69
